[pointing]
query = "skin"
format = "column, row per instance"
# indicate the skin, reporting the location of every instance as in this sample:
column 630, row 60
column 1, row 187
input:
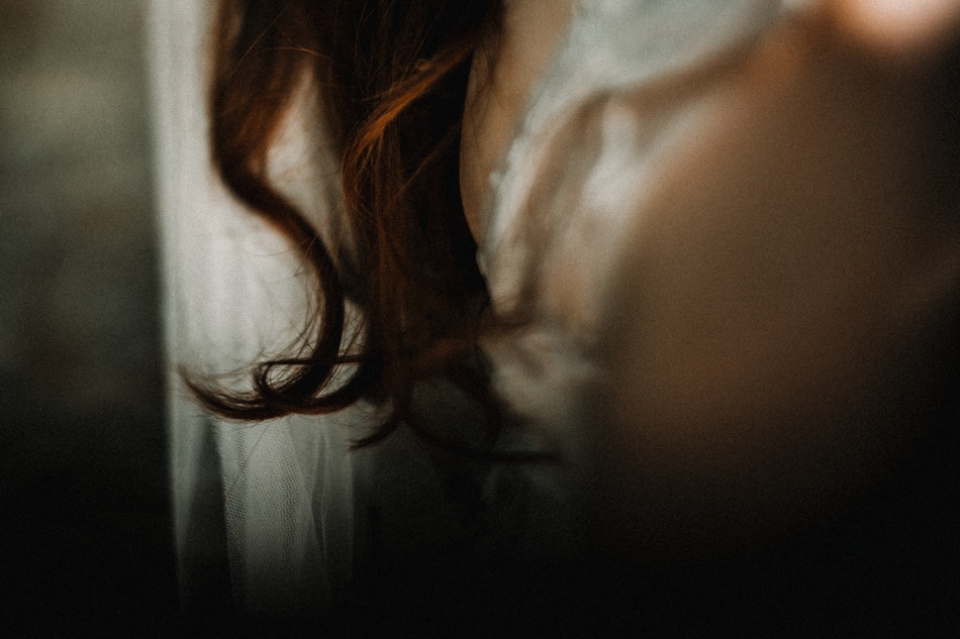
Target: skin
column 502, row 77
column 785, row 317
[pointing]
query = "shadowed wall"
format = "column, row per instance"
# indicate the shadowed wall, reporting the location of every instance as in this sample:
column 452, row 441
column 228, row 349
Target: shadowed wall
column 82, row 452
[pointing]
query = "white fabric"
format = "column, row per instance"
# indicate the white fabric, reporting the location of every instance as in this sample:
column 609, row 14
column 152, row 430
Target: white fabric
column 234, row 291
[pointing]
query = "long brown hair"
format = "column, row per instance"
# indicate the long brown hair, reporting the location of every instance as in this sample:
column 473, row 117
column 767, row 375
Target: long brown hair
column 392, row 80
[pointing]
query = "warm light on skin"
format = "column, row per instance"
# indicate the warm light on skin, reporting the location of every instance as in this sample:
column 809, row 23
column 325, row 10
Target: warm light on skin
column 784, row 311
column 900, row 26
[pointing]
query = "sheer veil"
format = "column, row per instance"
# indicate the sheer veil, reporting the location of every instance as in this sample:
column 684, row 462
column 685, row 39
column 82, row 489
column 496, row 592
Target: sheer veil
column 233, row 291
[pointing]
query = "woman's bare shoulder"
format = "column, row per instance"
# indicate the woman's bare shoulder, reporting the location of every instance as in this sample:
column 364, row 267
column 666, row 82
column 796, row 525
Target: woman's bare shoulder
column 504, row 73
column 785, row 320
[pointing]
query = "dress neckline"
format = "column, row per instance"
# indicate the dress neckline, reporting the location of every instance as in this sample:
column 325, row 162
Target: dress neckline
column 506, row 71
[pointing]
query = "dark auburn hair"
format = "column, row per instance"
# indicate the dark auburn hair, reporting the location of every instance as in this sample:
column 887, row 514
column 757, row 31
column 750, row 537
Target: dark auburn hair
column 391, row 76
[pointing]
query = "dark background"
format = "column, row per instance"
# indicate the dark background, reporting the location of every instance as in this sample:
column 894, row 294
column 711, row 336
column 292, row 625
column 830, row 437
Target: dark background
column 85, row 534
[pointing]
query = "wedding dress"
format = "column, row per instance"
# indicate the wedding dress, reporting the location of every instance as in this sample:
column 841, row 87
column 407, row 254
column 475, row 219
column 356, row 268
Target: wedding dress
column 298, row 512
